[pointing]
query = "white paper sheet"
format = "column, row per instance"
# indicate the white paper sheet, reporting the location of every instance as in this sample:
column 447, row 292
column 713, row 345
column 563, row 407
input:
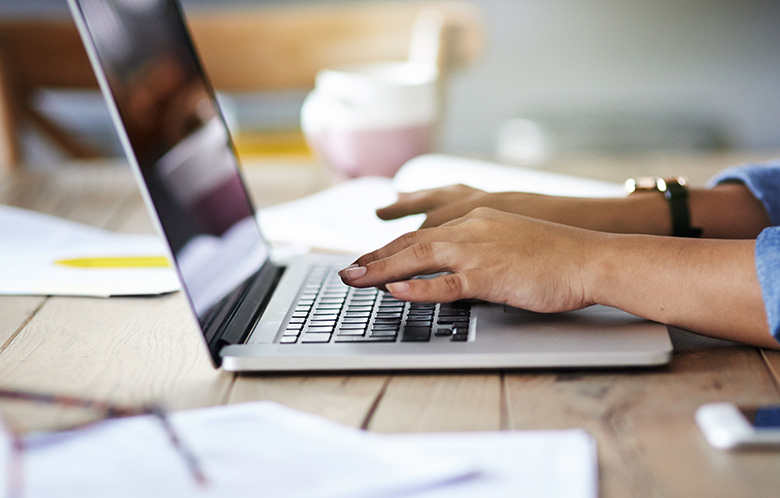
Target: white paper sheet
column 342, row 218
column 439, row 170
column 246, row 450
column 531, row 464
column 32, row 242
column 263, row 449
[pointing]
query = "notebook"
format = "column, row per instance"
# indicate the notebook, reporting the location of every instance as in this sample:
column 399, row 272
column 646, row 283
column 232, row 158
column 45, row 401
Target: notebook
column 258, row 316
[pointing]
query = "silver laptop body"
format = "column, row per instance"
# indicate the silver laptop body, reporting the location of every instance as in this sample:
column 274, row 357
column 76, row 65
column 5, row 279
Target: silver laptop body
column 249, row 309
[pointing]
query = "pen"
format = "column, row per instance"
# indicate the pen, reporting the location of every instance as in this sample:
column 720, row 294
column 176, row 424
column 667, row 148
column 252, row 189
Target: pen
column 116, row 262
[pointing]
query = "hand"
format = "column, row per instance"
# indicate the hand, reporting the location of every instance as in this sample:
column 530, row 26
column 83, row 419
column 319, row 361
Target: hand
column 439, row 204
column 492, row 256
column 725, row 211
column 445, row 204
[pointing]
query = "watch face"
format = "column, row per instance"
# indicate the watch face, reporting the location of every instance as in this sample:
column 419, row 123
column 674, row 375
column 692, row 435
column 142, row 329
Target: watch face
column 642, row 184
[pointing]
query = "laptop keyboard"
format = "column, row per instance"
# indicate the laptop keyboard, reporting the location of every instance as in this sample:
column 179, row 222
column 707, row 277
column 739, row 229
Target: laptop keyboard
column 330, row 312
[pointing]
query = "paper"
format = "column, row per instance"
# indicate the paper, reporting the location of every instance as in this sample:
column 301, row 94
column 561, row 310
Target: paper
column 342, row 218
column 32, row 243
column 264, row 449
column 439, row 170
column 246, row 450
column 531, row 464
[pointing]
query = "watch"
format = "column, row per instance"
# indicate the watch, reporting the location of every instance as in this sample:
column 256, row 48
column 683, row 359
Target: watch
column 675, row 191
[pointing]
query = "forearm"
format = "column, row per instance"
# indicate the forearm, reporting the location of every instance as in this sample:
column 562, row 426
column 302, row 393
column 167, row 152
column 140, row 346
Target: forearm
column 706, row 286
column 725, row 211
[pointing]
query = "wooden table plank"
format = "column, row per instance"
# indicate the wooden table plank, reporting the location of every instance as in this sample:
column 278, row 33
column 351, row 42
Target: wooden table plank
column 649, row 444
column 772, row 359
column 83, row 194
column 131, row 350
column 440, row 403
column 347, row 399
column 15, row 312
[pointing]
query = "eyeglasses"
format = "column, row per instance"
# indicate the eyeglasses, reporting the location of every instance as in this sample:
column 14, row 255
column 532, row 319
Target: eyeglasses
column 107, row 411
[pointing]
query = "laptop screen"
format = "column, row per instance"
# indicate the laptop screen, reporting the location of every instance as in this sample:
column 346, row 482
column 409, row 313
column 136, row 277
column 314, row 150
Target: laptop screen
column 174, row 131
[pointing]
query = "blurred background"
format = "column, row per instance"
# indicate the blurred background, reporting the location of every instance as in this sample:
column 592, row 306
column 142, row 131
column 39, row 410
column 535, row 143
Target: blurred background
column 554, row 78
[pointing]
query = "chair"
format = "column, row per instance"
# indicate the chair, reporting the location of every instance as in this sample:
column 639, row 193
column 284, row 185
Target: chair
column 244, row 51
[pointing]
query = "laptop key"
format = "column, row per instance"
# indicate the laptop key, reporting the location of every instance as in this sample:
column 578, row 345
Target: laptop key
column 344, row 331
column 320, row 329
column 383, row 332
column 350, row 338
column 315, row 338
column 460, row 334
column 322, row 323
column 386, row 326
column 416, row 334
column 357, row 314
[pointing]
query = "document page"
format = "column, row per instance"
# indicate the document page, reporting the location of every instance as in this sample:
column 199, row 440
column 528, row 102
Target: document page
column 262, row 449
column 45, row 255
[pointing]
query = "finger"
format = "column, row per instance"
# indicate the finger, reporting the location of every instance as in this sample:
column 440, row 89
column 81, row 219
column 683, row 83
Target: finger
column 443, row 289
column 408, row 204
column 397, row 245
column 419, row 259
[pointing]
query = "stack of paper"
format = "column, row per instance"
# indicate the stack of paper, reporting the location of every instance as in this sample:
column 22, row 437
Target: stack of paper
column 263, row 449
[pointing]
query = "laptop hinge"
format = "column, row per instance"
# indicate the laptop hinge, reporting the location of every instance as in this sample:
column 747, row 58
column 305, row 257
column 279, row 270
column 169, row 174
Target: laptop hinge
column 248, row 309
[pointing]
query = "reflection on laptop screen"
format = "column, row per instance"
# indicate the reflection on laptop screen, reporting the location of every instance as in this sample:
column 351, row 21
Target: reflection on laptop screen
column 179, row 139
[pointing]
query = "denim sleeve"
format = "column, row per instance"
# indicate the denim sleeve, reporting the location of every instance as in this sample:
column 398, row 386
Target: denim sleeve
column 763, row 180
column 768, row 269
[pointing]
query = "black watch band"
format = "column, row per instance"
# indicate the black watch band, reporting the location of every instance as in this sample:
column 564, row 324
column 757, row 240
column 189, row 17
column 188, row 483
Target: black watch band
column 675, row 191
column 677, row 194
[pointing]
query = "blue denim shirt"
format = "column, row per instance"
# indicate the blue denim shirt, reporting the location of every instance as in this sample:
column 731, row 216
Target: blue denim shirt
column 763, row 180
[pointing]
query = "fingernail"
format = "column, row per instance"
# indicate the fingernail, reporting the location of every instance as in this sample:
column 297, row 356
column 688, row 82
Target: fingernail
column 354, row 271
column 397, row 287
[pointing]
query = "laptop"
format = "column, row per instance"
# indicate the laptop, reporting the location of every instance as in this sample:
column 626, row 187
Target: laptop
column 256, row 315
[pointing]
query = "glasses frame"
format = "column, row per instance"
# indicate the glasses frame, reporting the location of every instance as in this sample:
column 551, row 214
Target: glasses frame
column 108, row 411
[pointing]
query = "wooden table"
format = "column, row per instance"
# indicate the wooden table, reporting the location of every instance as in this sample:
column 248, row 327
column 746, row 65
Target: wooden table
column 138, row 350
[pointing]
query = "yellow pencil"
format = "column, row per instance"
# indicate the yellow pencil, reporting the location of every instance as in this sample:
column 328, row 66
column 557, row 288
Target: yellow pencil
column 116, row 262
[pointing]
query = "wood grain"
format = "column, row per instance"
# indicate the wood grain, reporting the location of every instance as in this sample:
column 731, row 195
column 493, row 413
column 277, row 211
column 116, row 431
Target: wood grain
column 440, row 403
column 15, row 312
column 130, row 350
column 643, row 420
column 344, row 399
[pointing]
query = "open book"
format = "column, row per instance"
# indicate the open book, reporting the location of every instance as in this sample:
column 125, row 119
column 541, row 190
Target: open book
column 342, row 217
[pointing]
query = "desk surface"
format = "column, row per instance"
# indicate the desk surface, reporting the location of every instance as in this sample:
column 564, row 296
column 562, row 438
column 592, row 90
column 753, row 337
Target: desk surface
column 147, row 349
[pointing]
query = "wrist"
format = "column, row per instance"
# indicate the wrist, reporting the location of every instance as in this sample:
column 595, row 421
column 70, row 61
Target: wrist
column 599, row 268
column 675, row 191
column 639, row 214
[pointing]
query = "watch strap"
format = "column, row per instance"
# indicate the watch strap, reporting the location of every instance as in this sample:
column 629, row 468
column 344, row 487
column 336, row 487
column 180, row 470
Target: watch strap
column 675, row 191
column 676, row 194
